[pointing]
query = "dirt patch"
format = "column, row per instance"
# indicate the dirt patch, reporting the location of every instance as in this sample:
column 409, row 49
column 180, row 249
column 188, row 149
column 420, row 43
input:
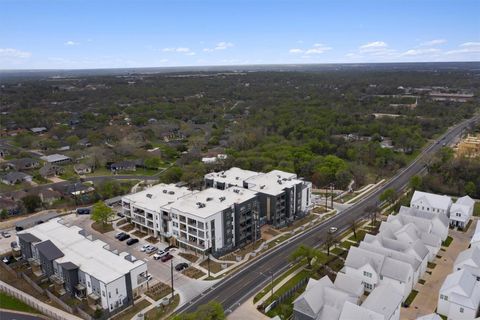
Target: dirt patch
column 127, row 227
column 152, row 240
column 215, row 267
column 193, row 272
column 102, row 228
column 190, row 257
column 158, row 291
column 139, row 234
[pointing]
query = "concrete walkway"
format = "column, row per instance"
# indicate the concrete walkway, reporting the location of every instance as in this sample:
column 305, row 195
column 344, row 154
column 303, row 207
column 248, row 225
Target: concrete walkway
column 427, row 298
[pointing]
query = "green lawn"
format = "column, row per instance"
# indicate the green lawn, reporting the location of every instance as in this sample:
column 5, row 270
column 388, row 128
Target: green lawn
column 130, row 312
column 431, row 265
column 476, row 209
column 447, row 241
column 276, row 280
column 360, row 235
column 288, row 285
column 11, row 303
column 337, row 251
column 411, row 297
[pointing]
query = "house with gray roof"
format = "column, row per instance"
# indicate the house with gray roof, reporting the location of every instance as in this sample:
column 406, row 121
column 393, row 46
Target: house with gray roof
column 12, row 178
column 24, row 164
column 50, row 170
column 81, row 168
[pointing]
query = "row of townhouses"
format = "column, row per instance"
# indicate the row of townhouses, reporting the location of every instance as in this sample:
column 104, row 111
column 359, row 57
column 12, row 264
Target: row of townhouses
column 82, row 267
column 386, row 265
column 226, row 215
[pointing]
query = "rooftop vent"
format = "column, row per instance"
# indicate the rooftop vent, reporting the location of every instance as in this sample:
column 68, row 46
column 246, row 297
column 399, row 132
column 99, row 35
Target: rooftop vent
column 165, row 191
column 237, row 178
column 236, row 190
column 149, row 195
column 279, row 181
column 222, row 199
column 262, row 186
column 209, row 199
column 201, row 205
column 171, row 192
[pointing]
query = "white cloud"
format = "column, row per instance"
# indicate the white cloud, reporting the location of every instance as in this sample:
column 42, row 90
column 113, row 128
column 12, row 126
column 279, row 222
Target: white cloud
column 374, row 45
column 376, row 48
column 420, row 52
column 190, row 53
column 466, row 48
column 14, row 53
column 434, row 42
column 318, row 48
column 184, row 50
column 295, row 50
column 219, row 46
column 168, row 49
column 470, row 44
column 71, row 43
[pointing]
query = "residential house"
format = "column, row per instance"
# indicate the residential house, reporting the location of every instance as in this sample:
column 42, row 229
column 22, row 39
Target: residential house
column 24, row 164
column 461, row 211
column 475, row 241
column 125, row 165
column 81, row 267
column 430, row 202
column 438, row 223
column 56, row 159
column 383, row 303
column 82, row 169
column 470, row 260
column 50, row 170
column 16, row 177
column 38, row 130
column 49, row 196
column 324, row 300
column 459, row 296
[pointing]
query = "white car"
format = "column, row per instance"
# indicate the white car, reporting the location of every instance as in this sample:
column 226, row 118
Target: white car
column 5, row 234
column 332, row 229
column 145, row 247
column 159, row 254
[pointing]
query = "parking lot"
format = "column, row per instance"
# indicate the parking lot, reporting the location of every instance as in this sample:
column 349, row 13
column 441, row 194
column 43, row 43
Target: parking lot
column 187, row 287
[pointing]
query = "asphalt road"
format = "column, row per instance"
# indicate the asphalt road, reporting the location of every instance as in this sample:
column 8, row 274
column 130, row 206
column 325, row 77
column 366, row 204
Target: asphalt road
column 237, row 288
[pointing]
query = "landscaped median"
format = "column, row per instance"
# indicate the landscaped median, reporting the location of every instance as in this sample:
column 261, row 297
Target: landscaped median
column 11, row 303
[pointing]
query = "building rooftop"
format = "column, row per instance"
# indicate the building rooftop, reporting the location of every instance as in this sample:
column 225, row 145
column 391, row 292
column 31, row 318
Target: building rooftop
column 208, row 202
column 438, row 201
column 272, row 183
column 90, row 256
column 384, row 300
column 55, row 157
column 233, row 176
column 157, row 196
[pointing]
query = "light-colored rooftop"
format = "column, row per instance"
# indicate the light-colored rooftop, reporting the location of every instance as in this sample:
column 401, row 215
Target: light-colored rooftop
column 208, row 202
column 438, row 201
column 273, row 182
column 233, row 176
column 90, row 256
column 55, row 157
column 384, row 299
column 157, row 196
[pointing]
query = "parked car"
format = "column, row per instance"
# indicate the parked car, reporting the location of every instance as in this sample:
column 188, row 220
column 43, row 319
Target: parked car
column 181, row 266
column 121, row 215
column 119, row 234
column 145, row 247
column 166, row 257
column 124, row 237
column 6, row 234
column 132, row 241
column 83, row 211
column 332, row 230
column 160, row 253
column 150, row 250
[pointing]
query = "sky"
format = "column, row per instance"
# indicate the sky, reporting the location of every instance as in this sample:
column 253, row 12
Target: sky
column 82, row 34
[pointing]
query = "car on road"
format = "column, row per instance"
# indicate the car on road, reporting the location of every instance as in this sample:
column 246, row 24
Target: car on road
column 181, row 266
column 159, row 254
column 83, row 211
column 6, row 234
column 124, row 237
column 332, row 229
column 166, row 257
column 132, row 241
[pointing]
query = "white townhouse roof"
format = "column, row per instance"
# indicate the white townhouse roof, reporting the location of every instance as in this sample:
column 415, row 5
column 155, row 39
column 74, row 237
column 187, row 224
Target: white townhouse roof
column 352, row 311
column 349, row 284
column 432, row 316
column 208, row 202
column 476, row 235
column 463, row 205
column 462, row 288
column 384, row 299
column 55, row 158
column 425, row 215
column 273, row 182
column 393, row 244
column 310, row 302
column 469, row 257
column 233, row 176
column 157, row 196
column 439, row 201
column 358, row 257
column 465, row 201
column 92, row 257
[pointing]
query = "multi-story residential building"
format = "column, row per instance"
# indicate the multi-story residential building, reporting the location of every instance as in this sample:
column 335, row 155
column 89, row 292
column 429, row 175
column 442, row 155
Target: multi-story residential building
column 147, row 209
column 82, row 267
column 233, row 177
column 282, row 196
column 459, row 297
column 215, row 221
column 430, row 202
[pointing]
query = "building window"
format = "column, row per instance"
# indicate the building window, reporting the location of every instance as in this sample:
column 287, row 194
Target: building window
column 461, row 310
column 116, row 290
column 88, row 283
column 109, row 294
column 367, row 274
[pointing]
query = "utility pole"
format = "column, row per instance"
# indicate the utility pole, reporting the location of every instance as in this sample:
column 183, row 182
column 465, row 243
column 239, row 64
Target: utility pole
column 271, row 273
column 171, row 276
column 208, row 263
column 333, row 188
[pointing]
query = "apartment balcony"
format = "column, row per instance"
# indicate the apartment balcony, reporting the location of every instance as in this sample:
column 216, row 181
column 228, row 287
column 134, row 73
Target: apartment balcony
column 139, row 220
column 192, row 231
column 58, row 284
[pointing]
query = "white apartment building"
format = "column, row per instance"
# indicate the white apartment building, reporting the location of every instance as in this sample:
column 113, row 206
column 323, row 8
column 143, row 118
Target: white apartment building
column 233, row 177
column 82, row 267
column 147, row 209
column 214, row 220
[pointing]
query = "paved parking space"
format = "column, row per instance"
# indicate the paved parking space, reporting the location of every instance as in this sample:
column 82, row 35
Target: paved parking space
column 161, row 271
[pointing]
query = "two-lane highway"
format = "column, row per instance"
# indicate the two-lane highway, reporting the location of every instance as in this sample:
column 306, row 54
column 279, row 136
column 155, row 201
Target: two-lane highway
column 237, row 288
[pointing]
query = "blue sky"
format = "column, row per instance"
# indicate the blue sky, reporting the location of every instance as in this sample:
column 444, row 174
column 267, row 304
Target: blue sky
column 40, row 34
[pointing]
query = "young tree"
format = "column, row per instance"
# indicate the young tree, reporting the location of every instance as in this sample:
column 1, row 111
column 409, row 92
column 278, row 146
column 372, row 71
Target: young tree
column 354, row 225
column 304, row 252
column 31, row 202
column 329, row 242
column 415, row 183
column 101, row 213
column 470, row 189
column 389, row 195
column 3, row 214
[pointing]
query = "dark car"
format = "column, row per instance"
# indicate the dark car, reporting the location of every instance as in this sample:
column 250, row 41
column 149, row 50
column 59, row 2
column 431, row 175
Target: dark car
column 124, row 237
column 181, row 266
column 83, row 211
column 118, row 235
column 166, row 257
column 132, row 241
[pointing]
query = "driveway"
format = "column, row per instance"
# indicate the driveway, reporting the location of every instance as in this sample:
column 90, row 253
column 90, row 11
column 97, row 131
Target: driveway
column 188, row 288
column 427, row 297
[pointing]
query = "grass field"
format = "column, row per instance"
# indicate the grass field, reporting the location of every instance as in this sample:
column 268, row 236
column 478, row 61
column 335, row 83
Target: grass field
column 11, row 303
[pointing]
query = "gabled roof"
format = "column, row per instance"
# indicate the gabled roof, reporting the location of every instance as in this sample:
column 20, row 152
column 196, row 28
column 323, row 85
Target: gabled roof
column 432, row 316
column 462, row 288
column 311, row 301
column 15, row 176
column 358, row 257
column 469, row 257
column 352, row 311
column 465, row 201
column 426, row 215
column 349, row 284
column 384, row 299
column 438, row 201
column 476, row 235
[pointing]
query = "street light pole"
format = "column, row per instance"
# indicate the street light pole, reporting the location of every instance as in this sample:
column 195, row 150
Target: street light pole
column 271, row 273
column 171, row 276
